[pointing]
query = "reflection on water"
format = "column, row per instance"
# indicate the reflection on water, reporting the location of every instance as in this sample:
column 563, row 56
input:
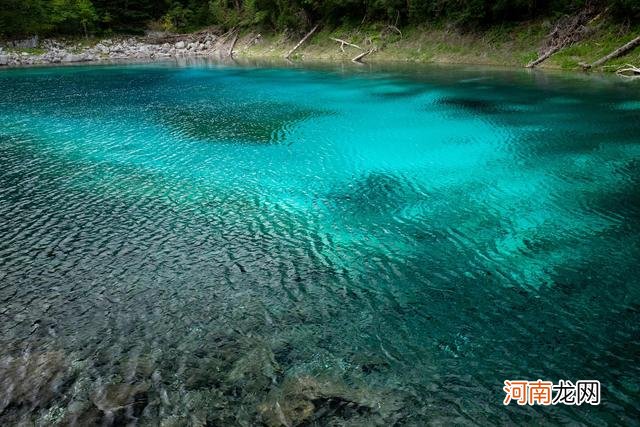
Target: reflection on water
column 224, row 245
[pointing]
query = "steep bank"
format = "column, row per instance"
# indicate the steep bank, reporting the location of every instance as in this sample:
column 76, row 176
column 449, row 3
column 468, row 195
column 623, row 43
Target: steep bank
column 512, row 46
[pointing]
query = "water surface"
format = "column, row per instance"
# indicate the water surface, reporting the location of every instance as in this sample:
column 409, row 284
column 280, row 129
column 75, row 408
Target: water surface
column 239, row 245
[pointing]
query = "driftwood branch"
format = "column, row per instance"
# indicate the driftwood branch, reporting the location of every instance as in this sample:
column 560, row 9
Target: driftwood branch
column 543, row 57
column 344, row 42
column 233, row 43
column 226, row 35
column 301, row 42
column 358, row 57
column 618, row 52
column 629, row 70
column 222, row 40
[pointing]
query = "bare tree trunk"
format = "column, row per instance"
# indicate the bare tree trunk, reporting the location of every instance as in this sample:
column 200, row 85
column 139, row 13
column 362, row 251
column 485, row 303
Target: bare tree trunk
column 301, row 42
column 233, row 43
column 543, row 58
column 618, row 52
column 358, row 57
column 344, row 42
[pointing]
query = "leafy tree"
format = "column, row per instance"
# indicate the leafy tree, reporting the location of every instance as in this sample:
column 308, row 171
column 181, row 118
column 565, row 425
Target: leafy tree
column 177, row 18
column 70, row 15
column 627, row 10
column 23, row 17
column 130, row 16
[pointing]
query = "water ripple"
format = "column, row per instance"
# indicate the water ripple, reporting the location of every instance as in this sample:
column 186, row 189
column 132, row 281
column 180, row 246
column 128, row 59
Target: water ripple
column 195, row 244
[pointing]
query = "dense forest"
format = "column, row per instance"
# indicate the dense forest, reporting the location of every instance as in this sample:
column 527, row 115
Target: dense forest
column 27, row 17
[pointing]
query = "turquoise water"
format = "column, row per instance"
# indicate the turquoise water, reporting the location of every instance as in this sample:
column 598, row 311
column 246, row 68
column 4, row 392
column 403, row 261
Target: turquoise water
column 236, row 245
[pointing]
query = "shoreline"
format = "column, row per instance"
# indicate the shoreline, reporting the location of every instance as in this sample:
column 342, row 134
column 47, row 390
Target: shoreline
column 373, row 64
column 511, row 50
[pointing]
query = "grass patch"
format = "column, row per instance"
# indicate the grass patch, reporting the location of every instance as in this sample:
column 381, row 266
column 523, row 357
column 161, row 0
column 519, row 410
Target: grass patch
column 512, row 45
column 604, row 40
column 507, row 45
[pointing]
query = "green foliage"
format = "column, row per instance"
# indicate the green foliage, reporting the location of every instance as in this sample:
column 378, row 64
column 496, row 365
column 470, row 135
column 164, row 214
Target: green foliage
column 23, row 17
column 254, row 15
column 628, row 10
column 69, row 15
column 177, row 18
column 26, row 17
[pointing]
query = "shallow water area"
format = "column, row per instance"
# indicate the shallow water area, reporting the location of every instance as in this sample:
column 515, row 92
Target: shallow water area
column 225, row 244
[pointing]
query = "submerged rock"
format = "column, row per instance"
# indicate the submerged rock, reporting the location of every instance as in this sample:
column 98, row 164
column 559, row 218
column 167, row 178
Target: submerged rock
column 121, row 401
column 371, row 363
column 255, row 371
column 32, row 380
column 306, row 399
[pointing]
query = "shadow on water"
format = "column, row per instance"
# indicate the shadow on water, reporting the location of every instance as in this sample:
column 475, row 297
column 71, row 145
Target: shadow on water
column 259, row 123
column 472, row 105
column 376, row 193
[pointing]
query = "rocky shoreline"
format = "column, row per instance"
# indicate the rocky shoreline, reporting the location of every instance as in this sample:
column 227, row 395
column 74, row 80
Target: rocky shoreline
column 52, row 51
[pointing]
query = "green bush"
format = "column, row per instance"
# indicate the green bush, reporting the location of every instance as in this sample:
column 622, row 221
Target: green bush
column 28, row 17
column 626, row 10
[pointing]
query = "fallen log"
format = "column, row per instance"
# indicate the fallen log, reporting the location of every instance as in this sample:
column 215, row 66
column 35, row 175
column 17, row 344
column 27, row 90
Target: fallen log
column 618, row 52
column 344, row 42
column 568, row 30
column 301, row 42
column 543, row 57
column 629, row 70
column 358, row 57
column 233, row 43
column 223, row 38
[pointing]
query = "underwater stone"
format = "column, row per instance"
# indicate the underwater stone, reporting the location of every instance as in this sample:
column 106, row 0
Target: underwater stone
column 121, row 400
column 33, row 379
column 370, row 363
column 256, row 370
column 305, row 398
